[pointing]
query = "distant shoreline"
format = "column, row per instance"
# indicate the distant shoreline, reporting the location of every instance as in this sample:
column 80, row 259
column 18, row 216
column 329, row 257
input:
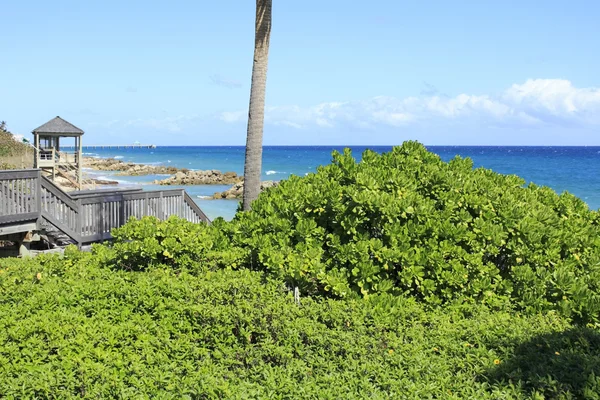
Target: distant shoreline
column 177, row 176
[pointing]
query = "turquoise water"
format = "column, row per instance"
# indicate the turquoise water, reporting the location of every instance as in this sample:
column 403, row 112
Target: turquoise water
column 573, row 169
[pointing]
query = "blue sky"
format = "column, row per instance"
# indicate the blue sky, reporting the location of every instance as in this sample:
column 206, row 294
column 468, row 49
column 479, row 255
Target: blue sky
column 340, row 72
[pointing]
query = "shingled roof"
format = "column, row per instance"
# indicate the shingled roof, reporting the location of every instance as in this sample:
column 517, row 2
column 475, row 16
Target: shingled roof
column 58, row 126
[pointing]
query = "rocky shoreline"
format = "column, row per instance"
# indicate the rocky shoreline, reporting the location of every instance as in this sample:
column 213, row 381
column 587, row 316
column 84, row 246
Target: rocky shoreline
column 208, row 177
column 237, row 190
column 179, row 176
column 126, row 168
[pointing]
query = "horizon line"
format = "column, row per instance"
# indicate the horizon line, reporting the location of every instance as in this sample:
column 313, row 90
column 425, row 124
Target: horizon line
column 349, row 145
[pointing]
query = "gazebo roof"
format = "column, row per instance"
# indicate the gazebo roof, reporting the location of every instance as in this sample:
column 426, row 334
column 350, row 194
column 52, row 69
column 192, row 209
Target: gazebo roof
column 58, row 127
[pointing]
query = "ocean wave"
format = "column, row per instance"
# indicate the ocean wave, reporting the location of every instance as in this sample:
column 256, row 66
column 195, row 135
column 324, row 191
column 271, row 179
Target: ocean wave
column 118, row 157
column 204, row 197
column 271, row 172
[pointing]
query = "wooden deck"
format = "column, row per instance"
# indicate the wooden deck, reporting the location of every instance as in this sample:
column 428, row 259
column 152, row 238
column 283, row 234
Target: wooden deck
column 27, row 199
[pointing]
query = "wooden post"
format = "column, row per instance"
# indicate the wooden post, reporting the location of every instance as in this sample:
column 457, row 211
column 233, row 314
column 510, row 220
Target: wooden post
column 78, row 141
column 53, row 166
column 78, row 222
column 35, row 150
column 38, row 197
column 160, row 207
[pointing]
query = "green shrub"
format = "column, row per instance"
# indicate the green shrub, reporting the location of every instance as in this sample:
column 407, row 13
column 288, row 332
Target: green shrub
column 406, row 222
column 9, row 146
column 177, row 243
column 72, row 328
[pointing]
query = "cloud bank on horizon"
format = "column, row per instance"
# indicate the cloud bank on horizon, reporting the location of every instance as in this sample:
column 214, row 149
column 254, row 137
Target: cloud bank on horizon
column 536, row 103
column 535, row 112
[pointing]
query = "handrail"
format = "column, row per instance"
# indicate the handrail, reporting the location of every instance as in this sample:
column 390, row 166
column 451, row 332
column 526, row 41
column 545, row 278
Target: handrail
column 19, row 196
column 58, row 192
column 190, row 202
column 102, row 192
column 87, row 216
column 18, row 173
column 60, row 209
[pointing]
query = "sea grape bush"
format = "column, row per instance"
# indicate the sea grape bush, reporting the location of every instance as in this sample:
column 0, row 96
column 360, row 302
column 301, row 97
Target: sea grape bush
column 176, row 243
column 404, row 223
column 408, row 223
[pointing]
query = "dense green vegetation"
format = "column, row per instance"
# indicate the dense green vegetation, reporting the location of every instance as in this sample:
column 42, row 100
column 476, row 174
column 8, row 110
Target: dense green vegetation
column 417, row 279
column 71, row 327
column 10, row 149
column 404, row 223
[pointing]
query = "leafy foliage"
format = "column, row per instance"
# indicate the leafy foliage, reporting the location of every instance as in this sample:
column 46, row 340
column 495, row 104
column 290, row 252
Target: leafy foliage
column 440, row 281
column 9, row 146
column 72, row 328
column 176, row 243
column 406, row 222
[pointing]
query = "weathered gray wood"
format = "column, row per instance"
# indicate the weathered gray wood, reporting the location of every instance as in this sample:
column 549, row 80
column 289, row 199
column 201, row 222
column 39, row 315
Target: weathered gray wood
column 102, row 192
column 72, row 234
column 195, row 208
column 19, row 174
column 23, row 227
column 51, row 187
column 6, row 219
column 27, row 198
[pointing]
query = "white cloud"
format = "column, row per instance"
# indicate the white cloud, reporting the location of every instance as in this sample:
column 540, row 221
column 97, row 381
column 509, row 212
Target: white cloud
column 232, row 116
column 225, row 82
column 557, row 98
column 170, row 124
column 537, row 102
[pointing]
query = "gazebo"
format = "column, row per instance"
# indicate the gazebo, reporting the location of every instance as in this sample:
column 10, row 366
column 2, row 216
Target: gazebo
column 48, row 155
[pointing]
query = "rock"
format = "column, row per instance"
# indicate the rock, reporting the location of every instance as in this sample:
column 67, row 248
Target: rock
column 126, row 168
column 209, row 177
column 237, row 190
column 181, row 176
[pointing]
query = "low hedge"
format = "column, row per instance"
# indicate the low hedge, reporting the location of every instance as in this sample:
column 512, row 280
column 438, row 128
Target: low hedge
column 73, row 328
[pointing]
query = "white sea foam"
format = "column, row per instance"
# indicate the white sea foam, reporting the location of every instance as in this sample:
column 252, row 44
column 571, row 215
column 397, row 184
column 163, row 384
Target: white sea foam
column 271, row 172
column 117, row 157
column 204, row 197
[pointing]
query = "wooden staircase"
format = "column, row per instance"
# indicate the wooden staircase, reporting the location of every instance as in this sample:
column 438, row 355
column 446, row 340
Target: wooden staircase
column 30, row 201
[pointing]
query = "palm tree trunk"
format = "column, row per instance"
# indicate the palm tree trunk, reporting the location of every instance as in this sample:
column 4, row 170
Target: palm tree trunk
column 256, row 112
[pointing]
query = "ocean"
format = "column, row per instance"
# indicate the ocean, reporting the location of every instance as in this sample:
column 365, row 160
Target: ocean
column 573, row 169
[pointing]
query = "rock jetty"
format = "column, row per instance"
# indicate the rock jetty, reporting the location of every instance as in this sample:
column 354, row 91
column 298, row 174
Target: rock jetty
column 237, row 191
column 208, row 177
column 126, row 168
column 181, row 176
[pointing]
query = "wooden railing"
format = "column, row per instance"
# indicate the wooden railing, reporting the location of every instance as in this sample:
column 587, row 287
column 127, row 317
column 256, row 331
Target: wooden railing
column 59, row 209
column 87, row 216
column 19, row 196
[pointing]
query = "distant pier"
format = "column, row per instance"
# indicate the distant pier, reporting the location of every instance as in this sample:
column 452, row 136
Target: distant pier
column 116, row 146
